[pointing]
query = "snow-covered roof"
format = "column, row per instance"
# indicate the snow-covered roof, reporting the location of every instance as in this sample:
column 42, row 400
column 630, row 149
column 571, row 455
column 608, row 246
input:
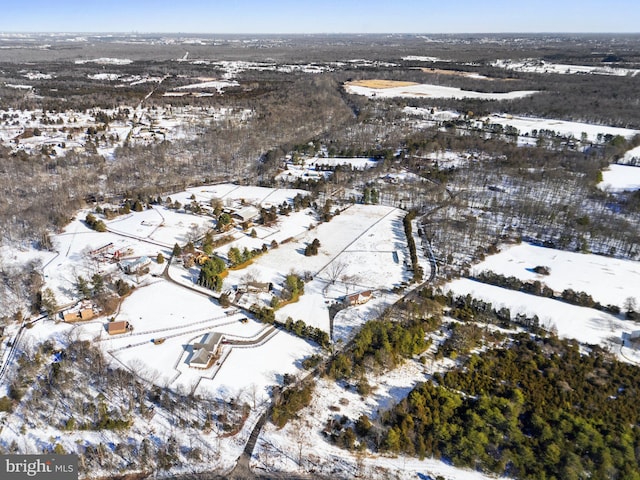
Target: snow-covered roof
column 247, row 213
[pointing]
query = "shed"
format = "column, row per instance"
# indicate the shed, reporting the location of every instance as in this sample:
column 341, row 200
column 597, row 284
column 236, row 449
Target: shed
column 78, row 315
column 116, row 328
column 259, row 286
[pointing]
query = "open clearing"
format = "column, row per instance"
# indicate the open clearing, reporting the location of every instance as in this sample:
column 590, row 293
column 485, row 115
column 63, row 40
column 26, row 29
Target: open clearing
column 540, row 66
column 432, row 91
column 586, row 325
column 456, row 73
column 620, row 178
column 527, row 126
column 608, row 280
column 376, row 83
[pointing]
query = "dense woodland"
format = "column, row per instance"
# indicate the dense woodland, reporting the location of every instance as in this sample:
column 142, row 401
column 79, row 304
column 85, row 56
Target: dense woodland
column 537, row 409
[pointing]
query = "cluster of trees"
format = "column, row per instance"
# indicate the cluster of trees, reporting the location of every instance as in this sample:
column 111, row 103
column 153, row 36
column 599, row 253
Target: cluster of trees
column 212, row 273
column 538, row 409
column 312, row 248
column 293, row 288
column 238, row 257
column 290, row 402
column 382, row 345
column 370, row 195
column 464, row 337
column 95, row 224
column 411, row 243
column 302, row 330
column 209, row 243
column 268, row 216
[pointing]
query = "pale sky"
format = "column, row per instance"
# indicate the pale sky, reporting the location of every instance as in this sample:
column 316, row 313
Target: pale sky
column 330, row 16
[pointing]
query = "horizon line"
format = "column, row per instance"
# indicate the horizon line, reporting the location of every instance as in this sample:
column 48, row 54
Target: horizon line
column 134, row 32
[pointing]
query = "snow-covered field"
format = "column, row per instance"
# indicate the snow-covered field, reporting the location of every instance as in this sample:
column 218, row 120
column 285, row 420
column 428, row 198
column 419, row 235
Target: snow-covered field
column 180, row 316
column 526, row 125
column 433, row 91
column 358, row 251
column 540, row 66
column 219, row 85
column 608, row 280
column 632, row 157
column 586, row 325
column 620, row 178
column 106, row 61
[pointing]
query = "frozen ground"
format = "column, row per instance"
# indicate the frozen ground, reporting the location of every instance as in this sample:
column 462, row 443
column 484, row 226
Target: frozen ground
column 608, row 280
column 540, row 66
column 526, row 125
column 586, row 325
column 433, row 91
column 620, row 178
column 632, row 156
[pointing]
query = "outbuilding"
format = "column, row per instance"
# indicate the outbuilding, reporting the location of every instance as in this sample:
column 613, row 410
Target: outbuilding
column 116, row 328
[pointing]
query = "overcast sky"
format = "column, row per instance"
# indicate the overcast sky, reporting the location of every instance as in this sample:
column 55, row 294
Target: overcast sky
column 329, row 16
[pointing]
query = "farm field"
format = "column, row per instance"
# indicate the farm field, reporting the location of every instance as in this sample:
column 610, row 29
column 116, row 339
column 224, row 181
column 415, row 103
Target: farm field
column 620, row 178
column 586, row 325
column 431, row 91
column 527, row 125
column 541, row 66
column 608, row 280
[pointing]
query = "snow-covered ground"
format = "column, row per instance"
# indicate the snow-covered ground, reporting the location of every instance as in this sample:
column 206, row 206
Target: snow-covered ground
column 526, row 125
column 540, row 66
column 432, row 113
column 181, row 317
column 632, row 156
column 301, row 447
column 149, row 125
column 310, row 167
column 218, row 85
column 106, row 61
column 361, row 249
column 609, row 281
column 433, row 91
column 422, row 58
column 620, row 178
column 586, row 325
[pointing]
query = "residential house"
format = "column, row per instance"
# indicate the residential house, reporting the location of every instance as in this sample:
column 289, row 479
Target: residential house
column 205, row 350
column 78, row 315
column 358, row 298
column 134, row 265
